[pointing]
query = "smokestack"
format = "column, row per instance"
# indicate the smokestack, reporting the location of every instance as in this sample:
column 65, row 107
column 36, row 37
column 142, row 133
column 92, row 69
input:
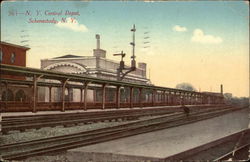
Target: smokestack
column 221, row 89
column 97, row 36
column 98, row 52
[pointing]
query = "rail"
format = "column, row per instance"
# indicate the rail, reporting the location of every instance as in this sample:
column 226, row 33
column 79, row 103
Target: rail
column 61, row 143
column 39, row 121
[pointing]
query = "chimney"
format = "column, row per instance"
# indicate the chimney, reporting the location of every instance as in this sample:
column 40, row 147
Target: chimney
column 97, row 36
column 142, row 65
column 98, row 52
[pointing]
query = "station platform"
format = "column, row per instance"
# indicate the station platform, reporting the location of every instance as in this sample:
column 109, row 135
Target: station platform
column 3, row 114
column 164, row 143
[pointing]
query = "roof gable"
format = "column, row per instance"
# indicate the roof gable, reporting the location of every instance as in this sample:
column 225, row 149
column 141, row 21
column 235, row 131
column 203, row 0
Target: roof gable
column 67, row 56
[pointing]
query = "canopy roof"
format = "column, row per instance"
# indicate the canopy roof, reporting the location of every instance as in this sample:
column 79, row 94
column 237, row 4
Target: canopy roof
column 31, row 72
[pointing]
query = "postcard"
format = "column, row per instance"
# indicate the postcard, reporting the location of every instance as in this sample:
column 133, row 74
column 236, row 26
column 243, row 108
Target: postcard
column 124, row 80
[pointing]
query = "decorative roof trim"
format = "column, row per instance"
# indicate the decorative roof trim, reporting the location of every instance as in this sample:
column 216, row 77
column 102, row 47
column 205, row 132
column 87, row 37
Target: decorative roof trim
column 74, row 58
column 67, row 56
column 59, row 64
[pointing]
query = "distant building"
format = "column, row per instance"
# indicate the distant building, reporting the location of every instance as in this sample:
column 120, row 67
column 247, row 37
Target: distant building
column 95, row 66
column 13, row 54
column 210, row 100
column 228, row 95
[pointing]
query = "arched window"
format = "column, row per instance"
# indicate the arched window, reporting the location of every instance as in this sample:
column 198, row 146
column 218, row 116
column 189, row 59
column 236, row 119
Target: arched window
column 66, row 94
column 20, row 95
column 13, row 57
column 9, row 96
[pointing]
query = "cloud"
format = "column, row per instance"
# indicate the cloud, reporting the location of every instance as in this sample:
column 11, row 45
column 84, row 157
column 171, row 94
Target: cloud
column 150, row 1
column 179, row 28
column 200, row 37
column 72, row 24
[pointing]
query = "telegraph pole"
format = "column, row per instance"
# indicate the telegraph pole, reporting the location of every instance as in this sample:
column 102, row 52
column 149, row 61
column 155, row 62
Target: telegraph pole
column 133, row 63
column 122, row 71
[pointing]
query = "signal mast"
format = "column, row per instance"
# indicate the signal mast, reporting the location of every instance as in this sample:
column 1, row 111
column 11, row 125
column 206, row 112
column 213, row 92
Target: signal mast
column 122, row 71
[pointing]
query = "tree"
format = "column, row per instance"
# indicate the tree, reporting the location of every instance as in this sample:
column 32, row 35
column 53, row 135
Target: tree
column 186, row 86
column 240, row 101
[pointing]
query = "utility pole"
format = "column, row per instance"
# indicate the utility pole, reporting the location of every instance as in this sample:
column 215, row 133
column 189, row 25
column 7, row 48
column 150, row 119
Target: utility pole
column 122, row 71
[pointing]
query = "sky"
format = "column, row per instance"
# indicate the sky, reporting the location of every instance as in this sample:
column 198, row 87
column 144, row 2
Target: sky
column 204, row 43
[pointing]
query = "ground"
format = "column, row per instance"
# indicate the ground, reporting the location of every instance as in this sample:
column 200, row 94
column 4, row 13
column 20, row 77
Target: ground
column 158, row 144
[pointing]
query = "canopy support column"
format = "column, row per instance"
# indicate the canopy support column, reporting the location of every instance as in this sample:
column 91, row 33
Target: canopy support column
column 131, row 99
column 63, row 94
column 103, row 96
column 86, row 84
column 118, row 97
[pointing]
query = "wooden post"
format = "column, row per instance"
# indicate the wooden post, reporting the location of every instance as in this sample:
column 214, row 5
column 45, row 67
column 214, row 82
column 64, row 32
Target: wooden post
column 140, row 97
column 170, row 98
column 174, row 98
column 63, row 94
column 164, row 98
column 118, row 96
column 131, row 97
column 103, row 96
column 190, row 99
column 50, row 87
column 148, row 95
column 153, row 97
column 167, row 98
column 193, row 99
column 6, row 95
column 184, row 98
column 81, row 89
column 50, row 94
column 181, row 99
column 34, row 93
column 85, row 95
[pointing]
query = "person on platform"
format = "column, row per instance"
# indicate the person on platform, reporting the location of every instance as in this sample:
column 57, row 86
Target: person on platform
column 185, row 108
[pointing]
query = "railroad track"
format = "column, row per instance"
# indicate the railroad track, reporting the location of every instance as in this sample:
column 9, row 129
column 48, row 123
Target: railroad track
column 61, row 143
column 233, row 147
column 36, row 117
column 39, row 121
column 236, row 154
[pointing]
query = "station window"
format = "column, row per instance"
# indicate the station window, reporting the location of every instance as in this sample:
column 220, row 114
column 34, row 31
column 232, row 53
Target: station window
column 13, row 57
column 1, row 55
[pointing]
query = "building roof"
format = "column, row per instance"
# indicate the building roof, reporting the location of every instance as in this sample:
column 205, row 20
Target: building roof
column 14, row 45
column 67, row 56
column 212, row 93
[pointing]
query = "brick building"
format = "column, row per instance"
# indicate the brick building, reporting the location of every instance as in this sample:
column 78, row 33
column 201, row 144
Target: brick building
column 13, row 54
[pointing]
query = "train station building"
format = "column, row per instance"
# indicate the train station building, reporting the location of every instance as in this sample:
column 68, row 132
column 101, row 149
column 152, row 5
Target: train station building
column 97, row 66
column 57, row 87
